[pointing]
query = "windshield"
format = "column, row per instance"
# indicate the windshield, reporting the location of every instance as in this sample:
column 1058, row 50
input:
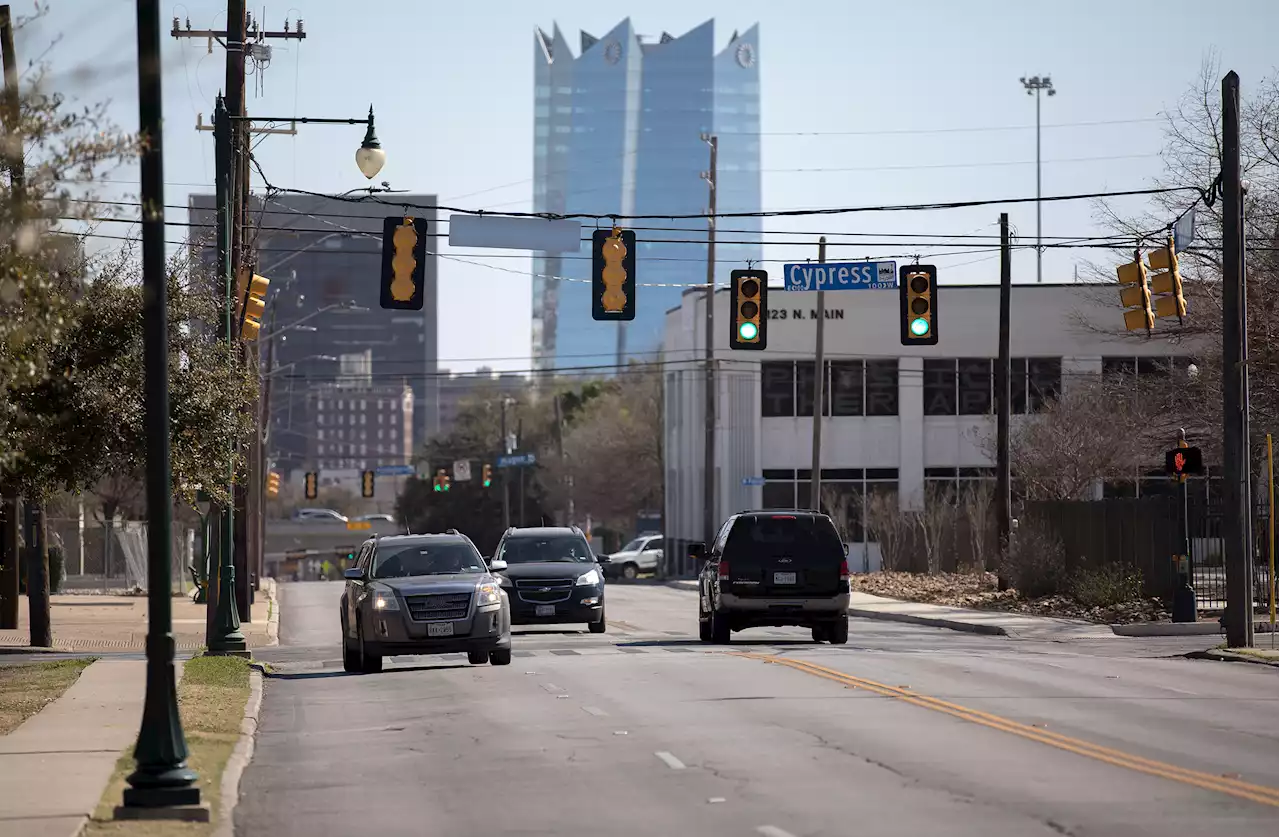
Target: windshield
column 634, row 546
column 442, row 558
column 556, row 549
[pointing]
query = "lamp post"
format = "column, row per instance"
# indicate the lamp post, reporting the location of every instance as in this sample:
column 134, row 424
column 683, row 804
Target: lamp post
column 1035, row 86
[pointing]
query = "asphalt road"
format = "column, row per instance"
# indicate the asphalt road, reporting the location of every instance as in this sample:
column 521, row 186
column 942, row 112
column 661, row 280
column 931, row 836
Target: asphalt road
column 645, row 731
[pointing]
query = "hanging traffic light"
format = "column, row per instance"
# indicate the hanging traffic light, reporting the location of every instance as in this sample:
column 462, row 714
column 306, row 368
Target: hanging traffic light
column 1135, row 295
column 441, row 480
column 748, row 309
column 613, row 274
column 486, row 475
column 312, row 484
column 1167, row 282
column 273, row 484
column 918, row 304
column 366, row 484
column 404, row 259
column 252, row 306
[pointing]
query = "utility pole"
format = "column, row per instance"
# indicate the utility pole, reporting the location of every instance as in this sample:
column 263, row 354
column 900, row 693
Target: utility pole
column 519, row 443
column 10, row 551
column 1004, row 500
column 1235, row 417
column 819, row 388
column 1035, row 86
column 709, row 408
column 506, row 478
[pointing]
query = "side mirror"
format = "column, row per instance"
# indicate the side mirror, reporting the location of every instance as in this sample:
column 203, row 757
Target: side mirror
column 697, row 550
column 353, row 574
column 497, row 565
column 846, row 550
column 602, row 559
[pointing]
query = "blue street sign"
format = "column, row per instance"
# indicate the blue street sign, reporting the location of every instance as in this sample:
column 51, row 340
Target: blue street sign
column 753, row 480
column 395, row 471
column 516, row 460
column 840, row 276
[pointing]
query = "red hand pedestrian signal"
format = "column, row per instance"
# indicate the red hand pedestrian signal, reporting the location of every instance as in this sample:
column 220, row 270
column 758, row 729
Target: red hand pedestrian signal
column 1179, row 463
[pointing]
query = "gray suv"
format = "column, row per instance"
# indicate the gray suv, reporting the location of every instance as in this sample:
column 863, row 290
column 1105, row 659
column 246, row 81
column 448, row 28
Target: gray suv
column 422, row 594
column 774, row 568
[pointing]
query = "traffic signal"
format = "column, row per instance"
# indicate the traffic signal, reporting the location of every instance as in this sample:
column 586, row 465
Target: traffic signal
column 918, row 304
column 1135, row 295
column 312, row 484
column 1183, row 461
column 613, row 274
column 404, row 258
column 749, row 309
column 366, row 484
column 486, row 475
column 273, row 484
column 441, row 480
column 253, row 306
column 1167, row 282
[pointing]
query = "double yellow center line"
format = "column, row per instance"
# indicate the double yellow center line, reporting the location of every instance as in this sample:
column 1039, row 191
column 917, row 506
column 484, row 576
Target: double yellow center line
column 1207, row 781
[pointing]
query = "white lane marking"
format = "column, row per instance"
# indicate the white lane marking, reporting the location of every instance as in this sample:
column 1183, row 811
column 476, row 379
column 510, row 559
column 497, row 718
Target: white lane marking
column 594, row 710
column 670, row 760
column 715, row 799
column 620, row 732
column 772, row 831
column 552, row 688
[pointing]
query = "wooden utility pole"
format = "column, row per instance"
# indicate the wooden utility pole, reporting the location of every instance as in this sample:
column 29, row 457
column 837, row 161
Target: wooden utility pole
column 709, row 517
column 1004, row 406
column 819, row 381
column 10, row 574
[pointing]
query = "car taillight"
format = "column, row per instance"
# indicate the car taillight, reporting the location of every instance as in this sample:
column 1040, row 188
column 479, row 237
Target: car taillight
column 723, row 571
column 844, row 570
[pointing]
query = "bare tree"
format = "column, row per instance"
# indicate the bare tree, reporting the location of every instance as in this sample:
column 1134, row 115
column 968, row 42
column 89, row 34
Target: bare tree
column 842, row 508
column 935, row 521
column 977, row 500
column 888, row 527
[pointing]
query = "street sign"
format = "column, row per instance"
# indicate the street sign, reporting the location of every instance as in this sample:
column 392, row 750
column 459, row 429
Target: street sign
column 462, row 470
column 753, row 480
column 516, row 460
column 359, row 524
column 840, row 276
column 395, row 470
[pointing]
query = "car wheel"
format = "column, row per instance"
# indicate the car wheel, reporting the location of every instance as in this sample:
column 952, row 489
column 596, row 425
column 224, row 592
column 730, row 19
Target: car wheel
column 630, row 572
column 839, row 632
column 819, row 633
column 599, row 626
column 720, row 632
column 477, row 658
column 369, row 663
column 350, row 654
column 704, row 628
column 500, row 656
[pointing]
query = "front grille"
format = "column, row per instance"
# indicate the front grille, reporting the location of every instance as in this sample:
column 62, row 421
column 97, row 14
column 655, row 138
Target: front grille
column 544, row 590
column 439, row 607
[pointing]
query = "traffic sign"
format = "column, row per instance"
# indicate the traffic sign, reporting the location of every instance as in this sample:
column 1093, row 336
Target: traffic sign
column 840, row 276
column 753, row 480
column 462, row 470
column 395, row 470
column 516, row 460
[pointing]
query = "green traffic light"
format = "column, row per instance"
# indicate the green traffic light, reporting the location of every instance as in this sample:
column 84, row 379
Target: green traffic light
column 919, row 326
column 748, row 331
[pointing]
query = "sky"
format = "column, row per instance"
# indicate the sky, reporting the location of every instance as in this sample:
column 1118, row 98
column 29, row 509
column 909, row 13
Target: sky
column 862, row 104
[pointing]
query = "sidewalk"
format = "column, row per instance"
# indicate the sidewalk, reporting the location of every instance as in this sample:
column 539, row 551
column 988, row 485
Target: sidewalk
column 54, row 767
column 119, row 623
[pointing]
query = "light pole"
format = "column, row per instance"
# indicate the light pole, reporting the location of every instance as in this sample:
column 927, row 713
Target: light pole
column 1035, row 86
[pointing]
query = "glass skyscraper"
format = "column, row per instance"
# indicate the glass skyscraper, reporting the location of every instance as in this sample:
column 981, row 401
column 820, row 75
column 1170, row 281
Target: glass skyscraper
column 618, row 130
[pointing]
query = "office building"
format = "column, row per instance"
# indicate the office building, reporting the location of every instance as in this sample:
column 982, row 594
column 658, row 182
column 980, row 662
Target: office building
column 323, row 325
column 618, row 129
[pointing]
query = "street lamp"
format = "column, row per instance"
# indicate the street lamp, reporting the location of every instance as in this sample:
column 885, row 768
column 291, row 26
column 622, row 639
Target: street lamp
column 1035, row 85
column 370, row 157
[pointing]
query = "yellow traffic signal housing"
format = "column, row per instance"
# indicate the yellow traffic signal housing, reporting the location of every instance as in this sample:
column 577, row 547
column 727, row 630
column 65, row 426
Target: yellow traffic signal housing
column 312, row 484
column 918, row 304
column 1135, row 295
column 366, row 484
column 253, row 306
column 1167, row 283
column 486, row 475
column 613, row 274
column 404, row 258
column 749, row 311
column 273, row 484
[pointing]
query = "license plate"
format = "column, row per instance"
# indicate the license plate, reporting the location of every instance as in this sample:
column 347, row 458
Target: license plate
column 440, row 629
column 545, row 610
column 784, row 578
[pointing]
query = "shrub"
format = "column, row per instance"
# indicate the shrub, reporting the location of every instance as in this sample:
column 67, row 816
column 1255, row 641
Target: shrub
column 1037, row 561
column 57, row 569
column 1106, row 586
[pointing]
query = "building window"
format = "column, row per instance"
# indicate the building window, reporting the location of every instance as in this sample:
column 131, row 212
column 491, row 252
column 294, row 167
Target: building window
column 939, row 387
column 777, row 388
column 882, row 387
column 846, row 388
column 319, row 434
column 1044, row 381
column 852, row 388
column 380, row 432
column 974, row 388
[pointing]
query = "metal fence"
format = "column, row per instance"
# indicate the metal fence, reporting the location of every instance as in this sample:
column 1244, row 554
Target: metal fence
column 98, row 558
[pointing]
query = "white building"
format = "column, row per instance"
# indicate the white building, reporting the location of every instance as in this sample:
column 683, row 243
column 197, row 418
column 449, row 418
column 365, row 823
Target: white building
column 896, row 418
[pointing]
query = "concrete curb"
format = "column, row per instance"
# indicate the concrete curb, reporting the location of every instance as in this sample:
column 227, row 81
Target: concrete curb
column 1168, row 629
column 1231, row 657
column 240, row 757
column 932, row 622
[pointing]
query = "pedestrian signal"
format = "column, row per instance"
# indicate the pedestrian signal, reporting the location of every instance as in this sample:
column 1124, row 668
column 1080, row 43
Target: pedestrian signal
column 613, row 274
column 1181, row 463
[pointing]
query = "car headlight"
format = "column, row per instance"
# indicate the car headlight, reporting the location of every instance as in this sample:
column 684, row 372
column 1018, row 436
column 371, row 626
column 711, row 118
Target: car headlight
column 589, row 577
column 488, row 594
column 384, row 598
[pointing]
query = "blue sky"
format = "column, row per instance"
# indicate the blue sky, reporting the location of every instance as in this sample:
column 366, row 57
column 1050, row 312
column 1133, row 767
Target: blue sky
column 885, row 85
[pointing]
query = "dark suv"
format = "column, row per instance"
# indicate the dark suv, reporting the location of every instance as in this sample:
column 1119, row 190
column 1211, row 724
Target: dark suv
column 551, row 576
column 774, row 568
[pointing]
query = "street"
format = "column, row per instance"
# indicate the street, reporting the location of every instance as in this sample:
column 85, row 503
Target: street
column 646, row 731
